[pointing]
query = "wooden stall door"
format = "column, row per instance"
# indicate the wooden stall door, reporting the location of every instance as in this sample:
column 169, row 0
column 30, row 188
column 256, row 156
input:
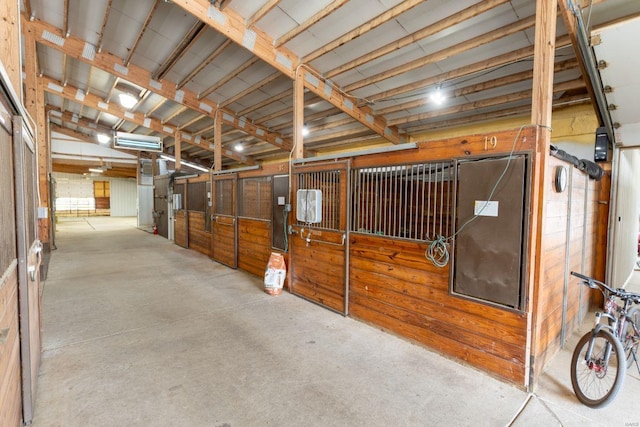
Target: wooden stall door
column 225, row 225
column 29, row 257
column 181, row 219
column 318, row 249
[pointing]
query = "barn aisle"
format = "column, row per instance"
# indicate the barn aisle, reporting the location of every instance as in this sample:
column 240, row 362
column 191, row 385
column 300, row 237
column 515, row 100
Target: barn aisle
column 138, row 331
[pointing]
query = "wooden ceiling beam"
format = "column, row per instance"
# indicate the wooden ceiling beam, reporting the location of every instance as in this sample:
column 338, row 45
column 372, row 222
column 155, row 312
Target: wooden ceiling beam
column 133, row 48
column 77, row 120
column 260, row 132
column 175, row 114
column 228, row 77
column 572, row 29
column 371, row 24
column 213, row 55
column 448, row 52
column 467, row 70
column 231, row 24
column 85, row 52
column 155, row 107
column 489, row 102
column 478, row 87
column 65, row 25
column 442, row 25
column 104, row 25
column 326, row 11
column 187, row 42
column 266, row 8
column 77, row 95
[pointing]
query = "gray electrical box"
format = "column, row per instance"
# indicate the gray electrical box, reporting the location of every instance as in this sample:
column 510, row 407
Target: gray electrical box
column 489, row 251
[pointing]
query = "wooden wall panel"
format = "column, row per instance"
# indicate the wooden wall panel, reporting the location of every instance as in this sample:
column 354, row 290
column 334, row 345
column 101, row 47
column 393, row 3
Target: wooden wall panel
column 254, row 245
column 570, row 242
column 199, row 239
column 394, row 286
column 10, row 389
column 319, row 270
column 180, row 229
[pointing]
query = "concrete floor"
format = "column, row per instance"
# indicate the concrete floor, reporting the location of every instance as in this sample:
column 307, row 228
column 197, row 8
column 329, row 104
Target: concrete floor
column 138, row 331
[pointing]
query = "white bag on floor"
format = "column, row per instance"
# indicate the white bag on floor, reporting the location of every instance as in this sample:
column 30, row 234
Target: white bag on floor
column 275, row 274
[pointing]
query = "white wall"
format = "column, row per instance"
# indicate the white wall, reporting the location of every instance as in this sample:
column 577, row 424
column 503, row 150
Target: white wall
column 124, row 197
column 625, row 217
column 123, row 191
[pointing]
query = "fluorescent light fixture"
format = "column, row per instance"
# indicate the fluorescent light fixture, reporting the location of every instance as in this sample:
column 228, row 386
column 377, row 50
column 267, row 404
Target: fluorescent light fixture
column 103, row 138
column 134, row 141
column 183, row 163
column 95, row 170
column 127, row 100
column 239, row 147
column 305, row 130
column 437, row 96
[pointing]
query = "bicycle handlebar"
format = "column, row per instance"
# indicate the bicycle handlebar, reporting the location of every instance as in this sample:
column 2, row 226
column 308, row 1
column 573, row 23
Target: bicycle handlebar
column 620, row 293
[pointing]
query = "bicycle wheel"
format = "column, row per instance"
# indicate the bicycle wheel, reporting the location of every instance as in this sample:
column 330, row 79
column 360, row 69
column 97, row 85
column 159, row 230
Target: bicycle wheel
column 597, row 377
column 631, row 339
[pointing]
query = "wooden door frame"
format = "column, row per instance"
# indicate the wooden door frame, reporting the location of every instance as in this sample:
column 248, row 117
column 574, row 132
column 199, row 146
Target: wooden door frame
column 234, row 206
column 344, row 166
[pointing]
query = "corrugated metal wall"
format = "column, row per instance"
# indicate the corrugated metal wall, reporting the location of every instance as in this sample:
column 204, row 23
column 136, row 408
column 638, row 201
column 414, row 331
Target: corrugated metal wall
column 124, row 192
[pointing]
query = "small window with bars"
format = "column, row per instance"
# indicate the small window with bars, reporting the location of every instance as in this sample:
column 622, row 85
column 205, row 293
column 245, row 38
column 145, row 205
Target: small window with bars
column 255, row 199
column 407, row 201
column 224, row 197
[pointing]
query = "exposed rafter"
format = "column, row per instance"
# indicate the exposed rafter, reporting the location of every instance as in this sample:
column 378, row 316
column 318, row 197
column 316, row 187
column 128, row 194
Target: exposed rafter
column 232, row 25
column 262, row 12
column 213, row 55
column 104, row 25
column 381, row 19
column 187, row 42
column 65, row 26
column 141, row 33
column 77, row 95
column 228, row 77
column 326, row 11
column 269, row 79
column 441, row 25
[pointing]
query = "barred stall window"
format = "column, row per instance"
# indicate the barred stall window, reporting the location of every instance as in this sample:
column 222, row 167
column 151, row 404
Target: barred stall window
column 196, row 196
column 328, row 182
column 7, row 207
column 255, row 198
column 224, row 197
column 407, row 201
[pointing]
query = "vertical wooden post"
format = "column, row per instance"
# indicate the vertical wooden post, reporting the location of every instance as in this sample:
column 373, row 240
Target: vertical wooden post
column 178, row 149
column 541, row 107
column 217, row 141
column 298, row 114
column 34, row 104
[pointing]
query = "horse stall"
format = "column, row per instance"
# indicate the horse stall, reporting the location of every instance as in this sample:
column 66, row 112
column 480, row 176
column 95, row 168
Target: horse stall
column 457, row 244
column 193, row 212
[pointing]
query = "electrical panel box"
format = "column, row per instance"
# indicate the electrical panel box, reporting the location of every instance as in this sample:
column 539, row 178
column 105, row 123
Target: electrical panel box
column 309, row 206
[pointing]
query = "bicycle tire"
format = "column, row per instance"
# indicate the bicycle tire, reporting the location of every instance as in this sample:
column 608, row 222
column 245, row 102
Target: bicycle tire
column 597, row 382
column 631, row 344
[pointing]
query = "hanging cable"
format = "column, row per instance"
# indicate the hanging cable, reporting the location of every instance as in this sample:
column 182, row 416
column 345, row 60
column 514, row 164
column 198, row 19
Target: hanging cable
column 437, row 251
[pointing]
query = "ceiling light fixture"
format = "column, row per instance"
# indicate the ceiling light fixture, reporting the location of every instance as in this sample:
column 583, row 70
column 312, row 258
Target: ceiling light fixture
column 103, row 138
column 437, row 96
column 305, row 130
column 95, row 170
column 127, row 100
column 239, row 147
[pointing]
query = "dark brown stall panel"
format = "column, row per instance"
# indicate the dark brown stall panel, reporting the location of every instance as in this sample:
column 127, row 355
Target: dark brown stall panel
column 224, row 224
column 318, row 251
column 199, row 238
column 489, row 245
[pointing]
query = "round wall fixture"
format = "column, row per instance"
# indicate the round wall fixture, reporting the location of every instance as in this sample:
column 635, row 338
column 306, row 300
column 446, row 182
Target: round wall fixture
column 560, row 182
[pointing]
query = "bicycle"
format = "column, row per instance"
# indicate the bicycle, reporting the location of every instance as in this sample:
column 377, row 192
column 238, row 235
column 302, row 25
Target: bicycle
column 597, row 369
